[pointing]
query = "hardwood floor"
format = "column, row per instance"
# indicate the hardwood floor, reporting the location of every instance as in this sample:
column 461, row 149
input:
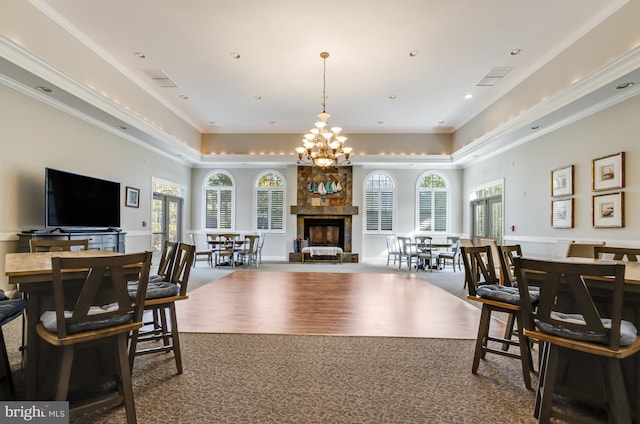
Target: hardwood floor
column 347, row 304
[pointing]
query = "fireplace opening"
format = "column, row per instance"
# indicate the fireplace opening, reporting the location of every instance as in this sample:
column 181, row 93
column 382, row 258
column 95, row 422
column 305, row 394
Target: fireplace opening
column 324, row 232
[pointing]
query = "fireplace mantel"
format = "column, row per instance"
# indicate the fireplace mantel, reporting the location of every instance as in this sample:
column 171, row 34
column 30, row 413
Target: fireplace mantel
column 324, row 210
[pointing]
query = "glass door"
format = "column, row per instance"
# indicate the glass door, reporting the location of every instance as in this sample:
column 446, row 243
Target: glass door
column 486, row 218
column 166, row 220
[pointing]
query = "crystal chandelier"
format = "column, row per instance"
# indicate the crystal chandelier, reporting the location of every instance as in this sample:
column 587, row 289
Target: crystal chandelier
column 323, row 147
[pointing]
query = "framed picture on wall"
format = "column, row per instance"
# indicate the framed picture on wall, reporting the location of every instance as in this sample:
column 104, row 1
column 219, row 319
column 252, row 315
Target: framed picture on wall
column 608, row 210
column 562, row 213
column 608, row 172
column 562, row 181
column 133, row 197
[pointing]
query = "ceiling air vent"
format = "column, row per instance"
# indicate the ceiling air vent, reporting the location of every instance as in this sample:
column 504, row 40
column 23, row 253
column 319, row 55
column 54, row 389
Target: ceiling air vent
column 493, row 77
column 160, row 77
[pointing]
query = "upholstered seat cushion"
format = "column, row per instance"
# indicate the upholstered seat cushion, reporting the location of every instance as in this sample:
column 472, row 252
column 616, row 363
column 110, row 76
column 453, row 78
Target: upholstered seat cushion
column 9, row 309
column 628, row 331
column 50, row 322
column 155, row 290
column 504, row 294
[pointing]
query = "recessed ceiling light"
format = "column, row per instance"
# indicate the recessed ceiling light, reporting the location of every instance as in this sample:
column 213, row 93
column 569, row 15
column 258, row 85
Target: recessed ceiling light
column 139, row 55
column 392, row 96
column 624, row 85
column 235, row 55
column 184, row 97
column 272, row 122
column 414, row 53
column 44, row 89
column 257, row 97
column 536, row 127
column 515, row 52
column 440, row 122
column 380, row 122
column 468, row 96
column 122, row 127
column 212, row 122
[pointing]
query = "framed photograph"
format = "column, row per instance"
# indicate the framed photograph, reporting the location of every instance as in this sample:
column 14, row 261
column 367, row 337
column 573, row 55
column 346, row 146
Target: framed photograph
column 562, row 181
column 133, row 197
column 608, row 172
column 608, row 210
column 562, row 213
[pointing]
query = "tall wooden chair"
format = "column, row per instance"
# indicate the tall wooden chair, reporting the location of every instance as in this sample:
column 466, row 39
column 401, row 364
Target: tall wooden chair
column 616, row 253
column 102, row 313
column 568, row 318
column 9, row 310
column 485, row 288
column 57, row 245
column 167, row 259
column 160, row 299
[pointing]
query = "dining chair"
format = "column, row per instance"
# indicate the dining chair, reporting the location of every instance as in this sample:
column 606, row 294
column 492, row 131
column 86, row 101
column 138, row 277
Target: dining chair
column 392, row 248
column 580, row 309
column 465, row 242
column 452, row 255
column 160, row 298
column 101, row 314
column 406, row 252
column 202, row 251
column 260, row 244
column 226, row 249
column 10, row 309
column 249, row 250
column 583, row 250
column 56, row 245
column 616, row 253
column 167, row 259
column 485, row 288
column 424, row 253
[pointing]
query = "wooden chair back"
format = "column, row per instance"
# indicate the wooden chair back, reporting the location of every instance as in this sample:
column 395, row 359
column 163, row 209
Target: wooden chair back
column 167, row 259
column 105, row 282
column 616, row 253
column 583, row 250
column 423, row 244
column 478, row 267
column 507, row 268
column 184, row 257
column 57, row 245
column 565, row 288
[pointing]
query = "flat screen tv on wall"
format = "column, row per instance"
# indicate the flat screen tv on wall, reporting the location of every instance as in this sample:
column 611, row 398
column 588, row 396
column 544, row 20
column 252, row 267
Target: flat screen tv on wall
column 76, row 201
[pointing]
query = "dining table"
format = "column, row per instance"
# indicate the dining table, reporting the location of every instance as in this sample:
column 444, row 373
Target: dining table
column 31, row 273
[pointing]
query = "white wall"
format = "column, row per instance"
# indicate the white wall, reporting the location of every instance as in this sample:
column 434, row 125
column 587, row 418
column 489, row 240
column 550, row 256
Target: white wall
column 526, row 171
column 34, row 135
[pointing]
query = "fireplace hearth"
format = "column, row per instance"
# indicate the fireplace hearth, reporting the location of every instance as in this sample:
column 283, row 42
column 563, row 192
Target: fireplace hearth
column 324, row 232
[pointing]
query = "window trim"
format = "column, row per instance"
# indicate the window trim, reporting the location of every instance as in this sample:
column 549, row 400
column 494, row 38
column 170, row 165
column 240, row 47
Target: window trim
column 394, row 205
column 205, row 187
column 255, row 202
column 418, row 189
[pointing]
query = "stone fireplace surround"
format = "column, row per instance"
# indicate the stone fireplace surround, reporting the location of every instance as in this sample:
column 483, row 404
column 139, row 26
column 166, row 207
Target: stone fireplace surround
column 326, row 213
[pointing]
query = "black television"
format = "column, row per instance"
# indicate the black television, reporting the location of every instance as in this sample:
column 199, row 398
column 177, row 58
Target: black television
column 80, row 202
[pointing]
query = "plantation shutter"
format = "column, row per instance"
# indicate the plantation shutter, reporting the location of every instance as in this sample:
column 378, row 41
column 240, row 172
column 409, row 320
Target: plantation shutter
column 440, row 205
column 263, row 210
column 386, row 211
column 211, row 218
column 424, row 210
column 277, row 209
column 372, row 206
column 226, row 209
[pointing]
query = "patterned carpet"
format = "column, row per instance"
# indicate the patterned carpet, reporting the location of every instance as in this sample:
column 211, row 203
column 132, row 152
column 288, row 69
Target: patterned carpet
column 235, row 378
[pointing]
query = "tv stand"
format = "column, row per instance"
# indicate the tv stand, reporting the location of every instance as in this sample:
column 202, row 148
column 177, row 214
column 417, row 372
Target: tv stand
column 99, row 239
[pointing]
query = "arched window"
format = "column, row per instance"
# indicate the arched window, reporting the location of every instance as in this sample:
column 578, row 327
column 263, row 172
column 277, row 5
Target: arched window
column 379, row 199
column 270, row 191
column 219, row 202
column 432, row 196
